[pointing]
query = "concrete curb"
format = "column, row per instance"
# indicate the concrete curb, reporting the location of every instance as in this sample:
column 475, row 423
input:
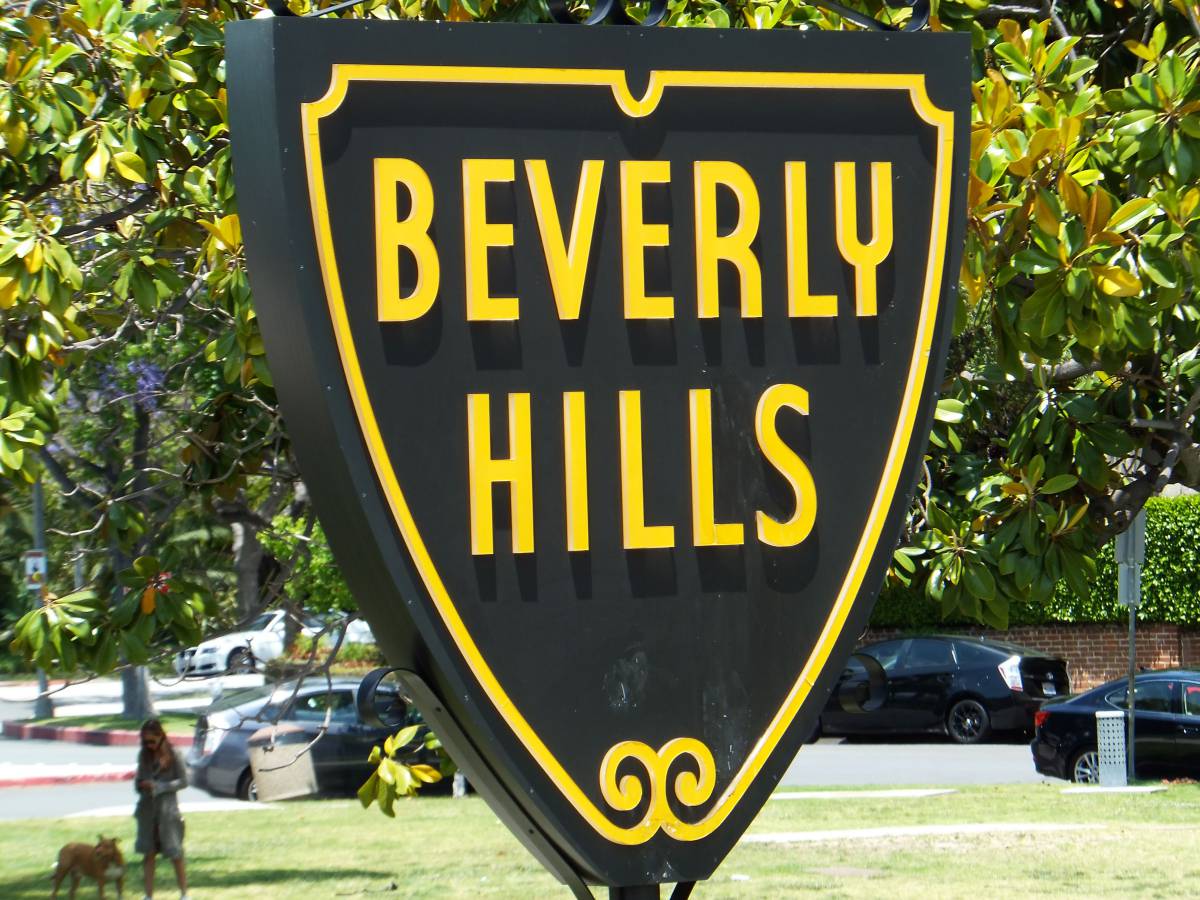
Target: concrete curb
column 115, row 738
column 80, row 778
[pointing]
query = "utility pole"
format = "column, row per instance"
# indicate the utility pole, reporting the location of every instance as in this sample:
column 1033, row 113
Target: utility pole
column 1130, row 553
column 43, row 707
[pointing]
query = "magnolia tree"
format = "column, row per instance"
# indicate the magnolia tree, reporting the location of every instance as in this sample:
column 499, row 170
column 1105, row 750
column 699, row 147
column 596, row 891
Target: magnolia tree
column 135, row 386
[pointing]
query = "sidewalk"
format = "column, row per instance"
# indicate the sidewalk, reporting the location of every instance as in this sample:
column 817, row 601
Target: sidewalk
column 114, row 737
column 101, row 696
column 40, row 774
column 98, row 697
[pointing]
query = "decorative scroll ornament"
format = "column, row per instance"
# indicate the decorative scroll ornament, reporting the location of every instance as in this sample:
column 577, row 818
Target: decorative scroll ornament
column 689, row 788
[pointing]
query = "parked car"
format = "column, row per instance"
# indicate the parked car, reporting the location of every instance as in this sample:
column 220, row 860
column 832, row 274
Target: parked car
column 262, row 640
column 219, row 759
column 1166, row 727
column 961, row 686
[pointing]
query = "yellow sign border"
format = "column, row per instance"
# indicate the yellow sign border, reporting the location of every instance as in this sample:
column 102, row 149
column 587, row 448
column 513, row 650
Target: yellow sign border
column 942, row 120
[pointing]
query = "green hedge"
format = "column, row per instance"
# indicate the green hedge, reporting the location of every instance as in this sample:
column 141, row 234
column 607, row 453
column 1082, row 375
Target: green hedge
column 1170, row 582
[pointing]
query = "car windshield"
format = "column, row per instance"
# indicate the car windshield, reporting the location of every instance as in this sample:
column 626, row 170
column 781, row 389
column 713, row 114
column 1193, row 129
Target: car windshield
column 261, row 623
column 241, row 698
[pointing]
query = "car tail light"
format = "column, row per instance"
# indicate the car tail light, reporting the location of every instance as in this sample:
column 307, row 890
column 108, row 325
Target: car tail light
column 1040, row 717
column 207, row 737
column 1010, row 671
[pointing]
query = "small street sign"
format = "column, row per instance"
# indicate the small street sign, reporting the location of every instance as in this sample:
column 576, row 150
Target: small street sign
column 33, row 564
column 1131, row 543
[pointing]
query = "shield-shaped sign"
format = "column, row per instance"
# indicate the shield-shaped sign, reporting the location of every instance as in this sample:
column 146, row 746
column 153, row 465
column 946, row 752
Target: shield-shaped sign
column 609, row 356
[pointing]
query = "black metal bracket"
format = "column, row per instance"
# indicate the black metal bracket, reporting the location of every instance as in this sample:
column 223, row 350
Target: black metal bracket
column 612, row 12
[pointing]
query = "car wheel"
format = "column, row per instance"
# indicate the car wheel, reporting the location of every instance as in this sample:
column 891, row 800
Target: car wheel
column 968, row 722
column 1085, row 766
column 247, row 789
column 240, row 662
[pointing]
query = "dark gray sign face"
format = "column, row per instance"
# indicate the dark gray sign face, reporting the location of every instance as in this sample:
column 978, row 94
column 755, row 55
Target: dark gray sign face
column 609, row 356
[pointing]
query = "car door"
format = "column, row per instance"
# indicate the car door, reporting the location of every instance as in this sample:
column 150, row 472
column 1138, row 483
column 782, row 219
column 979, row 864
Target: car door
column 1187, row 731
column 329, row 757
column 1155, row 703
column 918, row 690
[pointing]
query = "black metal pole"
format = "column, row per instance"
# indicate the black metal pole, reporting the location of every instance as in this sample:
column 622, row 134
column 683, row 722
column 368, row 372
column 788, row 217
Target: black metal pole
column 634, row 892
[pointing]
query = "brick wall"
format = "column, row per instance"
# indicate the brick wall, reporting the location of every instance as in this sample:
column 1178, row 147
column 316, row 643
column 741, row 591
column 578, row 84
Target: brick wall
column 1094, row 653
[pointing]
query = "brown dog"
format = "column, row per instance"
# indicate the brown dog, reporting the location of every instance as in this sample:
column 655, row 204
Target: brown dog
column 102, row 862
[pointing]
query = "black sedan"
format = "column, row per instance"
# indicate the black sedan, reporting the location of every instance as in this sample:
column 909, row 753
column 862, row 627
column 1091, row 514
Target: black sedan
column 219, row 759
column 1166, row 727
column 961, row 686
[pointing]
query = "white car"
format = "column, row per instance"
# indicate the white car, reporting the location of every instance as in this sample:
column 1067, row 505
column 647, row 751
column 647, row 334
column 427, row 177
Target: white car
column 261, row 641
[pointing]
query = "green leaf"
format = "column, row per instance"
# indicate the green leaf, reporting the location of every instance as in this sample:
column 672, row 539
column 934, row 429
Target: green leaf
column 1035, row 470
column 1059, row 483
column 130, row 166
column 949, row 410
column 979, row 580
column 366, row 793
column 1131, row 213
column 405, row 736
column 146, row 566
column 181, row 71
column 904, row 561
column 97, row 165
column 1035, row 261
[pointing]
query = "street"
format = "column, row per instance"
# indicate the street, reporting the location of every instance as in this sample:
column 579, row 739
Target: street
column 828, row 763
column 926, row 761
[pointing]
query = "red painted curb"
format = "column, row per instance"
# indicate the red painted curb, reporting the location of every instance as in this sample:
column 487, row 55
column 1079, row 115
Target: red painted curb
column 45, row 780
column 74, row 735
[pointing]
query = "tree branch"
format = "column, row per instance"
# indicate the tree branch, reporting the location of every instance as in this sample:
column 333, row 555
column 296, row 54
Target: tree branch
column 72, row 490
column 104, row 220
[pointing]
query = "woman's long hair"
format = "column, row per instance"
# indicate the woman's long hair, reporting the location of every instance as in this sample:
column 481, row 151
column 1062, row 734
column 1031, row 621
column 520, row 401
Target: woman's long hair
column 154, row 728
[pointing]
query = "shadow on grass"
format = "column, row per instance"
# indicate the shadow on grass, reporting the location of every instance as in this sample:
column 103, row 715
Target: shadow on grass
column 266, row 877
column 38, row 886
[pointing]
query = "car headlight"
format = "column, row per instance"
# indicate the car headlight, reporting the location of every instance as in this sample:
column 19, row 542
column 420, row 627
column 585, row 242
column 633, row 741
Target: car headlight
column 208, row 651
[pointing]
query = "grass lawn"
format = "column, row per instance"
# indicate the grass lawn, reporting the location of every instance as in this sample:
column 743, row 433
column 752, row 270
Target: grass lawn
column 1141, row 846
column 173, row 722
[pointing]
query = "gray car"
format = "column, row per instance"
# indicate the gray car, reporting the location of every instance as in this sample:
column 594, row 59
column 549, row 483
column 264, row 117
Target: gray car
column 219, row 759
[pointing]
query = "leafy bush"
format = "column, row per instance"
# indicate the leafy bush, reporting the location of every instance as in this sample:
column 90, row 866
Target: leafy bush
column 1170, row 582
column 350, row 653
column 315, row 579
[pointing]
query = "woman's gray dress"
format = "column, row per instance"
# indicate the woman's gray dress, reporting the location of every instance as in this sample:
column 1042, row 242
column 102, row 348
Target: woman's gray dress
column 159, row 824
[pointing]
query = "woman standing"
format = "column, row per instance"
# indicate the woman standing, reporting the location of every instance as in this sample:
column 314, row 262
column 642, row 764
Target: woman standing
column 160, row 775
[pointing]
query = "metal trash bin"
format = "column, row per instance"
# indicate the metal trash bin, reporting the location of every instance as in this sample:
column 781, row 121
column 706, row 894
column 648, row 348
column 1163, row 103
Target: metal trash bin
column 282, row 767
column 1110, row 744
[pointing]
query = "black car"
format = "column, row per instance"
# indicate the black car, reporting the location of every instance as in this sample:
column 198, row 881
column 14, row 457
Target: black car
column 1166, row 727
column 961, row 686
column 219, row 759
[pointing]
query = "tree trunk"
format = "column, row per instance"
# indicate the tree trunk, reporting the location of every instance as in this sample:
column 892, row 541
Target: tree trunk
column 247, row 561
column 136, row 702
